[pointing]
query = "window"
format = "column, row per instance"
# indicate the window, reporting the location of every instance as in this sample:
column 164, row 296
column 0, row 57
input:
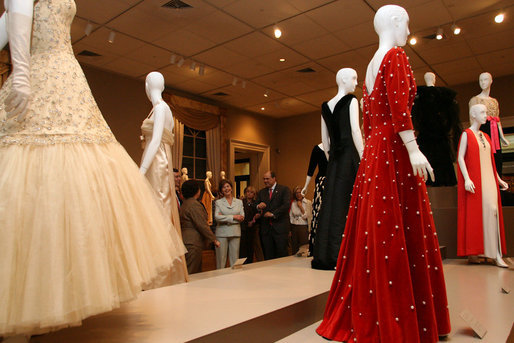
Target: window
column 194, row 156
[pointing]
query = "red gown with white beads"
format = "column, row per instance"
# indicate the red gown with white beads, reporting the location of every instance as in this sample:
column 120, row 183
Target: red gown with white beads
column 389, row 283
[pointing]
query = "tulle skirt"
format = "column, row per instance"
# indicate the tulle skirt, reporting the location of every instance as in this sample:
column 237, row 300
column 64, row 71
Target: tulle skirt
column 80, row 232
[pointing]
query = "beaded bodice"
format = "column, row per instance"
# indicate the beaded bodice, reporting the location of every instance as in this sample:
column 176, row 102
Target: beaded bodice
column 51, row 26
column 61, row 107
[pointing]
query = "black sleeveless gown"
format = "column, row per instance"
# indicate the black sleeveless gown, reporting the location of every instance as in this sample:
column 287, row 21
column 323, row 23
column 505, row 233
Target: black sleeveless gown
column 342, row 168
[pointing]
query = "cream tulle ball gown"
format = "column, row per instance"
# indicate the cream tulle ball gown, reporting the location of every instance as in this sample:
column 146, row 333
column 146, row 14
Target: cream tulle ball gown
column 80, row 227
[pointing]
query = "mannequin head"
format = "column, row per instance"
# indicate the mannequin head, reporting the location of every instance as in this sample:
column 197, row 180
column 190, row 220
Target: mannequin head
column 154, row 85
column 208, row 174
column 430, row 79
column 485, row 80
column 222, row 175
column 184, row 171
column 478, row 114
column 346, row 80
column 392, row 25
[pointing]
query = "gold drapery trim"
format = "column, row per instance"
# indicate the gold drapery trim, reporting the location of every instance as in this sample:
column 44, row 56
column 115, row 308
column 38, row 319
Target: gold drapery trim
column 193, row 114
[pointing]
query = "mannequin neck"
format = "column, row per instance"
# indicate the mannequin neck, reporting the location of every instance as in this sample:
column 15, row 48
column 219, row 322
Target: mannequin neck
column 320, row 145
column 155, row 96
column 475, row 126
column 485, row 93
column 386, row 41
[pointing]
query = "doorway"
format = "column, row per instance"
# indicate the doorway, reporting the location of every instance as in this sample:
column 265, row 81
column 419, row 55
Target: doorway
column 247, row 163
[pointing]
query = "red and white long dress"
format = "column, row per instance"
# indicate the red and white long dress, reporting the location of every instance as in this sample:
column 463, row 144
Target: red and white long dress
column 389, row 283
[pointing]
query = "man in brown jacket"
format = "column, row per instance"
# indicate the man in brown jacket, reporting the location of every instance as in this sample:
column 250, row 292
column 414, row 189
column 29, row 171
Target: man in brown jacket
column 193, row 221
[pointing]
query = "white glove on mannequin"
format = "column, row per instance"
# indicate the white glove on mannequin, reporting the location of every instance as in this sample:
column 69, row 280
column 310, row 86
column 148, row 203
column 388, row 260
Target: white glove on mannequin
column 19, row 28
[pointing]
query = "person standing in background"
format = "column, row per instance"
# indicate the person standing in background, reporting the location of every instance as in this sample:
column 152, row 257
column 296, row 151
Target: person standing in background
column 299, row 215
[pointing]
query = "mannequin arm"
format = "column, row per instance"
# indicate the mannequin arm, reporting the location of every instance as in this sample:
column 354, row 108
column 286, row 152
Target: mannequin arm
column 153, row 145
column 307, row 181
column 463, row 146
column 502, row 137
column 325, row 138
column 356, row 131
column 503, row 185
column 419, row 162
column 19, row 28
column 4, row 38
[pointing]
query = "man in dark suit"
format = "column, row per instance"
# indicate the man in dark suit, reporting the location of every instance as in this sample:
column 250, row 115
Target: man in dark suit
column 273, row 203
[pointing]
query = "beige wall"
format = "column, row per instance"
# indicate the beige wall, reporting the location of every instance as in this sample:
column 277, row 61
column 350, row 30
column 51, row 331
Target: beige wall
column 297, row 136
column 124, row 105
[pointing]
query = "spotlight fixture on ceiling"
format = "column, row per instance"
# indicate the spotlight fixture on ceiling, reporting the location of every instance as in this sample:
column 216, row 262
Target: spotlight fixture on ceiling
column 243, row 84
column 413, row 41
column 234, row 81
column 439, row 34
column 277, row 32
column 456, row 30
column 193, row 65
column 266, row 93
column 499, row 17
column 173, row 58
column 201, row 70
column 282, row 60
column 180, row 62
column 112, row 35
column 262, row 108
column 88, row 29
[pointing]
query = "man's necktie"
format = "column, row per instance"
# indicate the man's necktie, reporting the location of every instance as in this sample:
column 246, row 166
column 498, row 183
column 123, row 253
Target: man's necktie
column 270, row 193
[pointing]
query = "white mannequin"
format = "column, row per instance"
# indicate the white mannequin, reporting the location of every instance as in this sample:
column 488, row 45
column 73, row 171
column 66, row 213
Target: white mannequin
column 162, row 117
column 477, row 117
column 184, row 175
column 308, row 178
column 222, row 175
column 207, row 183
column 486, row 80
column 346, row 80
column 429, row 79
column 392, row 26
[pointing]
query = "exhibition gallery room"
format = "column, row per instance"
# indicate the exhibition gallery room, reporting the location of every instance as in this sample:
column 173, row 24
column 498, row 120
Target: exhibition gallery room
column 256, row 171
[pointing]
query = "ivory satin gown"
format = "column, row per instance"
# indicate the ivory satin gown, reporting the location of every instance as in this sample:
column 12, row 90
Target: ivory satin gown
column 80, row 228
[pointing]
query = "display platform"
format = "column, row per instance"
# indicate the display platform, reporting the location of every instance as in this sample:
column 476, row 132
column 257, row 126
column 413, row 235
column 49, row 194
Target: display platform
column 477, row 288
column 279, row 300
column 262, row 302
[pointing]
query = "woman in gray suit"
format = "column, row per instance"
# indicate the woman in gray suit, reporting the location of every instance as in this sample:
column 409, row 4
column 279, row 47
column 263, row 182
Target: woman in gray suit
column 229, row 213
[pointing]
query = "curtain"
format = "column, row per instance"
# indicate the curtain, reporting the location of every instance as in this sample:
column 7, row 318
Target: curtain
column 178, row 132
column 192, row 113
column 214, row 153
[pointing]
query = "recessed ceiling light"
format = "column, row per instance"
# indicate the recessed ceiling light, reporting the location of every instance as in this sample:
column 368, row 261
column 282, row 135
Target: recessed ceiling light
column 282, row 60
column 439, row 34
column 413, row 41
column 262, row 108
column 277, row 32
column 499, row 18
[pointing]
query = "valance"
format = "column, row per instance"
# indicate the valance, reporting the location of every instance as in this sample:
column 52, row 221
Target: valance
column 193, row 114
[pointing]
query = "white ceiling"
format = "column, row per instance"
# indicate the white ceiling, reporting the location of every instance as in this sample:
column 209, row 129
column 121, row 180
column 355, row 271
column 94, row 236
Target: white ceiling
column 234, row 38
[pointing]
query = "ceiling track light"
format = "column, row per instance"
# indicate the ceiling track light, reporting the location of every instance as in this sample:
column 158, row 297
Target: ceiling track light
column 456, row 30
column 243, row 84
column 499, row 17
column 413, row 41
column 173, row 58
column 180, row 62
column 112, row 35
column 88, row 29
column 266, row 93
column 277, row 32
column 201, row 70
column 193, row 65
column 234, row 81
column 439, row 34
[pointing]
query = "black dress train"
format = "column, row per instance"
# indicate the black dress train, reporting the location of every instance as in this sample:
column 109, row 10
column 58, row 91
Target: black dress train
column 318, row 159
column 343, row 164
